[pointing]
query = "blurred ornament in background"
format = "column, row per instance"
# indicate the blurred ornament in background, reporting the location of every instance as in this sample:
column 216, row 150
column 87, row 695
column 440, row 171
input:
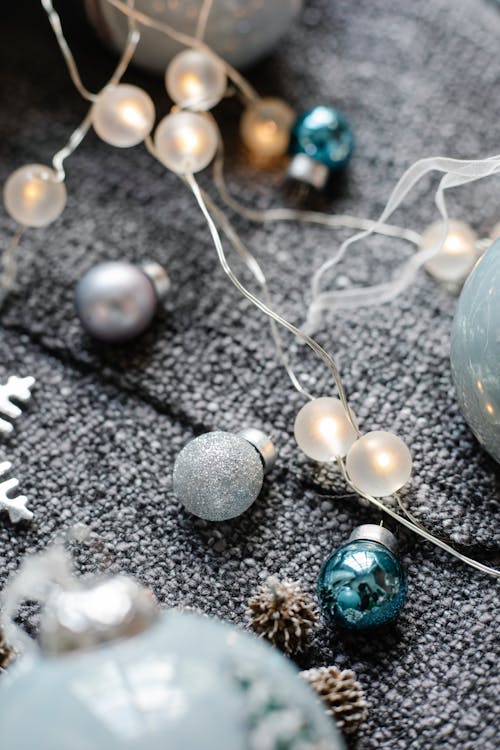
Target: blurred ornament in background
column 113, row 672
column 116, row 301
column 475, row 350
column 240, row 31
column 321, row 143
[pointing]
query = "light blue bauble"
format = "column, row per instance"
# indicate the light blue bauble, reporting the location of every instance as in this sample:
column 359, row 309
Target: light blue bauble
column 475, row 350
column 240, row 31
column 186, row 683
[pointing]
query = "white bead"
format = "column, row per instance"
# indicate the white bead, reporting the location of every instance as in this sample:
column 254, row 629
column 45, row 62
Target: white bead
column 458, row 255
column 123, row 115
column 265, row 127
column 195, row 80
column 495, row 232
column 323, row 430
column 379, row 463
column 34, row 196
column 186, row 142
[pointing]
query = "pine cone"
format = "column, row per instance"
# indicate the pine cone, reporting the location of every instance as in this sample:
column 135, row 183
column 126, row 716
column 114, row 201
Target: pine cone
column 343, row 695
column 6, row 654
column 283, row 614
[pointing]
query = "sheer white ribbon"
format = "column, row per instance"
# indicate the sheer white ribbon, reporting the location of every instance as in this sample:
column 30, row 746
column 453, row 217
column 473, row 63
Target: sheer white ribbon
column 456, row 172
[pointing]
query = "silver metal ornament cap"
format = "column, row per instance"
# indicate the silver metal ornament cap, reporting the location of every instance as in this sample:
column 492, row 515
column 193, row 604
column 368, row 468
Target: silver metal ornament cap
column 309, row 171
column 87, row 616
column 263, row 445
column 373, row 533
column 158, row 277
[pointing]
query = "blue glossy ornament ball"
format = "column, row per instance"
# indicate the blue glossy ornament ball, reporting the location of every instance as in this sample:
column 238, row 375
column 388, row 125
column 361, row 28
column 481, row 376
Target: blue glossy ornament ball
column 323, row 134
column 362, row 585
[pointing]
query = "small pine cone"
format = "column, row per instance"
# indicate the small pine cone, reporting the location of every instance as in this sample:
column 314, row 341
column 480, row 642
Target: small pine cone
column 6, row 654
column 343, row 695
column 283, row 614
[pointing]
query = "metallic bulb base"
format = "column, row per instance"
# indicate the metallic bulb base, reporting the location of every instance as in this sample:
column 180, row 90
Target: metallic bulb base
column 361, row 585
column 218, row 476
column 102, row 611
column 373, row 533
column 116, row 301
column 158, row 277
column 309, row 171
column 263, row 444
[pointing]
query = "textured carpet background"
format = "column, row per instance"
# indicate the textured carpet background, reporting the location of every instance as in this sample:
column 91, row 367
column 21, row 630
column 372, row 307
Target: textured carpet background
column 98, row 441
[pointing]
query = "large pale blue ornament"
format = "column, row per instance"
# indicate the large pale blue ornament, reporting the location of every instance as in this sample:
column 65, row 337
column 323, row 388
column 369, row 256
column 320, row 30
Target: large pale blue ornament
column 362, row 584
column 185, row 682
column 475, row 350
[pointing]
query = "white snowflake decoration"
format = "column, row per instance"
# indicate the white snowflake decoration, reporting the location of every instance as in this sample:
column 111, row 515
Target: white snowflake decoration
column 15, row 389
column 15, row 506
column 18, row 389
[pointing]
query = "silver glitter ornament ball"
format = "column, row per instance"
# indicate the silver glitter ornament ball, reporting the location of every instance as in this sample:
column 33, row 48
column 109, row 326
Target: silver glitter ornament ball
column 218, row 475
column 116, row 301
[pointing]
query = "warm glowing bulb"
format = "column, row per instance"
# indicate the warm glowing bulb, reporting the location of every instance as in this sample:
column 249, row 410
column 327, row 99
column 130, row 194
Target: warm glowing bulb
column 383, row 461
column 186, row 142
column 265, row 127
column 458, row 254
column 195, row 80
column 123, row 115
column 34, row 195
column 323, row 429
column 379, row 463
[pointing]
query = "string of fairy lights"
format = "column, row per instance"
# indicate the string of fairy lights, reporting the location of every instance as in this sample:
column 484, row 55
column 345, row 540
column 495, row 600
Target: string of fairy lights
column 375, row 464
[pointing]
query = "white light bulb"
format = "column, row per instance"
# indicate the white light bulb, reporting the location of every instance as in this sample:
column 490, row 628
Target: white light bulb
column 458, row 255
column 34, row 196
column 123, row 115
column 265, row 127
column 495, row 232
column 323, row 430
column 195, row 80
column 379, row 463
column 186, row 142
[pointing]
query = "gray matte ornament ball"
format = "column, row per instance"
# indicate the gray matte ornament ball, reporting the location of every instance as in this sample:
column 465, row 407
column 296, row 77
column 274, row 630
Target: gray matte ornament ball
column 218, row 476
column 115, row 301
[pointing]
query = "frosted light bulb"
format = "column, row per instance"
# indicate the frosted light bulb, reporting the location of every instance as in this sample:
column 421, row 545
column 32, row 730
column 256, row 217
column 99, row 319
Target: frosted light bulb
column 323, row 430
column 265, row 127
column 186, row 142
column 123, row 115
column 458, row 255
column 495, row 232
column 34, row 196
column 195, row 80
column 379, row 463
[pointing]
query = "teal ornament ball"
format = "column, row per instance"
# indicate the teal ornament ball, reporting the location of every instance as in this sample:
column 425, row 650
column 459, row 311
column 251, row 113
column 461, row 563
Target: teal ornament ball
column 324, row 135
column 475, row 350
column 362, row 585
column 187, row 682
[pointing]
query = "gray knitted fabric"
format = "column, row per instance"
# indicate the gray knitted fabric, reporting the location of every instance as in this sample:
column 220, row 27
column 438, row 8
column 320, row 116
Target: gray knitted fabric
column 98, row 441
